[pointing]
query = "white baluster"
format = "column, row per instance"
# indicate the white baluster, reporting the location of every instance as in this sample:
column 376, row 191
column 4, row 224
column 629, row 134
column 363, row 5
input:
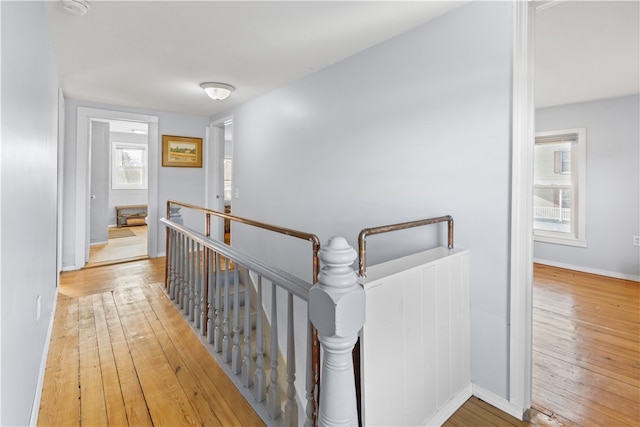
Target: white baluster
column 174, row 216
column 226, row 339
column 183, row 268
column 291, row 407
column 178, row 269
column 259, row 377
column 171, row 264
column 175, row 259
column 273, row 401
column 247, row 361
column 189, row 307
column 210, row 296
column 217, row 333
column 204, row 296
column 336, row 308
column 310, row 386
column 187, row 275
column 202, row 257
column 195, row 313
column 235, row 352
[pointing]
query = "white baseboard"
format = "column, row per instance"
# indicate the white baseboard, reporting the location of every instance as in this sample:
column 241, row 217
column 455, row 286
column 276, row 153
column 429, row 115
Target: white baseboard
column 499, row 402
column 451, row 407
column 589, row 270
column 70, row 268
column 35, row 409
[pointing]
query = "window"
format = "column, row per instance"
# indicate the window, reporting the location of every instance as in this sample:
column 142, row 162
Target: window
column 128, row 166
column 559, row 187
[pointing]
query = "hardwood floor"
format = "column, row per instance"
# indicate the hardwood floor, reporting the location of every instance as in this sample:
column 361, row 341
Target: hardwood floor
column 120, row 249
column 586, row 347
column 586, row 354
column 120, row 354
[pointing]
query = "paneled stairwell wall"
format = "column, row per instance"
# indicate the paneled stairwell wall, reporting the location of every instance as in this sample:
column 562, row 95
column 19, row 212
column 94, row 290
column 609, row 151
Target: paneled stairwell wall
column 412, row 128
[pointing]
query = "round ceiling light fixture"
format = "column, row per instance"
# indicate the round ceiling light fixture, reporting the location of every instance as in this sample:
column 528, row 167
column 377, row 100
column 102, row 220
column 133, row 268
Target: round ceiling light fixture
column 217, row 91
column 76, row 7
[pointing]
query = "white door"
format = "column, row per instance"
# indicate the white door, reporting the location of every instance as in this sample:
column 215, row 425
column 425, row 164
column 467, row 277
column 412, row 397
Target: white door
column 214, row 188
column 99, row 183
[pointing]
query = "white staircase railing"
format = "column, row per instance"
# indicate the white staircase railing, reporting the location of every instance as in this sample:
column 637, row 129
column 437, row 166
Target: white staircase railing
column 214, row 285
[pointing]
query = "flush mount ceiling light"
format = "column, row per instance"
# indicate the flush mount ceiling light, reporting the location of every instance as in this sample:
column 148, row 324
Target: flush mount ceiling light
column 217, row 91
column 76, row 7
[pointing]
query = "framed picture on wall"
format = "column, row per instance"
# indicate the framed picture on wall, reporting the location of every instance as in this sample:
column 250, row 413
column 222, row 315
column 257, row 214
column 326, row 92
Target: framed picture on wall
column 181, row 151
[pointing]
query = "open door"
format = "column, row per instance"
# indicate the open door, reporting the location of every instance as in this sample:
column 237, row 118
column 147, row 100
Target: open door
column 218, row 173
column 99, row 183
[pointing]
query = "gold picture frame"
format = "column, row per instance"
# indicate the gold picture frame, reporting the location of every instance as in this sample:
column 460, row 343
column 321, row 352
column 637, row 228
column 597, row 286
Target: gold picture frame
column 181, row 151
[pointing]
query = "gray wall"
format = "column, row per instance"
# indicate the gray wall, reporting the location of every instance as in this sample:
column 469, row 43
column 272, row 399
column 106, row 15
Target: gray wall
column 613, row 185
column 185, row 184
column 418, row 126
column 28, row 198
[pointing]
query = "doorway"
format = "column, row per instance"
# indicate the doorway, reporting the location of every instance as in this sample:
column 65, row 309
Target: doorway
column 586, row 53
column 219, row 191
column 119, row 191
column 87, row 118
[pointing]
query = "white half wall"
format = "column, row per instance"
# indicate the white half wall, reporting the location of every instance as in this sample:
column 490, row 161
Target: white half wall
column 613, row 186
column 28, row 226
column 416, row 127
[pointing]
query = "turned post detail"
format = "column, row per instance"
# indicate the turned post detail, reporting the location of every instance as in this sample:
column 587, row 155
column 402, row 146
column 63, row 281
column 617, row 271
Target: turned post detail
column 336, row 308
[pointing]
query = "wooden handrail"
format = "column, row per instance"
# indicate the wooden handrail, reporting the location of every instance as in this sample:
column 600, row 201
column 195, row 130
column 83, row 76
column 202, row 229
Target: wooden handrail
column 362, row 244
column 315, row 241
column 287, row 281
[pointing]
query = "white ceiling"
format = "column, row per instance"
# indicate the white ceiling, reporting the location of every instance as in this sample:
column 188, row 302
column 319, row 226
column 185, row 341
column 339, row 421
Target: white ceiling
column 154, row 54
column 586, row 50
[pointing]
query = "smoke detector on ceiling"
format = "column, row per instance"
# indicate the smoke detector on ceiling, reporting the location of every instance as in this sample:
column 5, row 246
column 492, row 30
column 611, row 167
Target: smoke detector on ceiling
column 76, row 7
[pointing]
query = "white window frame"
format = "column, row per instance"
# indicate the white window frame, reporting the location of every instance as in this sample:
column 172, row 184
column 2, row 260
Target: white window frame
column 577, row 235
column 115, row 146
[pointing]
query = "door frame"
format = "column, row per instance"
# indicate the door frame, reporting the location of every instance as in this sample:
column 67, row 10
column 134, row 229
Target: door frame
column 521, row 274
column 83, row 150
column 214, row 178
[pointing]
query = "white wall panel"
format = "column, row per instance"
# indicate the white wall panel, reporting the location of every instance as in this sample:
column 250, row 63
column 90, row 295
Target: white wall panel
column 415, row 341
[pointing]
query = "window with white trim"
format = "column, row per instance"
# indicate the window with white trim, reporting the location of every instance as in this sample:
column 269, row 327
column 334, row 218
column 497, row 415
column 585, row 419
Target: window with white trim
column 128, row 166
column 559, row 187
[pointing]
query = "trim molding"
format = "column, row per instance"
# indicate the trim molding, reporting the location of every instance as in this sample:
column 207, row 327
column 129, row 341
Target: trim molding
column 84, row 115
column 450, row 408
column 599, row 272
column 521, row 244
column 35, row 409
column 497, row 401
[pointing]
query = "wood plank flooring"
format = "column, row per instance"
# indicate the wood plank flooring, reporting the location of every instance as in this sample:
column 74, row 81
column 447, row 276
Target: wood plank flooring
column 120, row 354
column 121, row 249
column 586, row 354
column 586, row 347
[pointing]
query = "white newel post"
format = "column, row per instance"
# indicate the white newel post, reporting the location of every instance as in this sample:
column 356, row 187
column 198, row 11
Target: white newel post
column 336, row 308
column 175, row 215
